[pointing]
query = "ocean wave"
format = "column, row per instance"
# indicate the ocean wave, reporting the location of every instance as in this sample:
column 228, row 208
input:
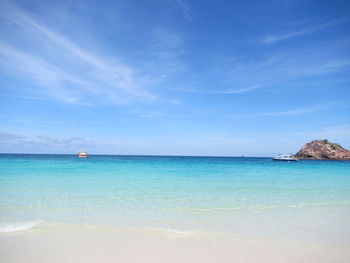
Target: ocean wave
column 17, row 226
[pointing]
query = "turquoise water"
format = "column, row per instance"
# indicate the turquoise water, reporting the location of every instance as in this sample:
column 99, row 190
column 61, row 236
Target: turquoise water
column 163, row 191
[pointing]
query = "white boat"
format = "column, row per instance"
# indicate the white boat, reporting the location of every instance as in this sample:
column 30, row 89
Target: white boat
column 285, row 157
column 82, row 154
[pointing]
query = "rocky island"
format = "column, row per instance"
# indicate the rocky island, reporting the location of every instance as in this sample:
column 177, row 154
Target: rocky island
column 323, row 150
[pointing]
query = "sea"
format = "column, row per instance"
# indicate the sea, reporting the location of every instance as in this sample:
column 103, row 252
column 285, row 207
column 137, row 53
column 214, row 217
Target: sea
column 244, row 195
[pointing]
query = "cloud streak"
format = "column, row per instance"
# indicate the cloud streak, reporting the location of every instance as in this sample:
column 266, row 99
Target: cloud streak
column 42, row 143
column 272, row 39
column 277, row 69
column 316, row 108
column 49, row 141
column 243, row 90
column 168, row 48
column 87, row 72
column 296, row 111
column 184, row 8
column 42, row 71
column 334, row 133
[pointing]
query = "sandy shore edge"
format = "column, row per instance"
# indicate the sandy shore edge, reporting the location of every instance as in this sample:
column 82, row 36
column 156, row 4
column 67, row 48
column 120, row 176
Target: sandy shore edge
column 53, row 242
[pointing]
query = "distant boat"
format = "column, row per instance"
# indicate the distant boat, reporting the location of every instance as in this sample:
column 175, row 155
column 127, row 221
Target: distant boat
column 82, row 154
column 285, row 157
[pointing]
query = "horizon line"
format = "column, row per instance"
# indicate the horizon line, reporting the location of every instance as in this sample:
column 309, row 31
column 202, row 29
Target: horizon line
column 146, row 155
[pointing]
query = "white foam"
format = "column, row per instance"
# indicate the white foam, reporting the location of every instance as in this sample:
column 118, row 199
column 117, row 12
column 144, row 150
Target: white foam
column 18, row 226
column 177, row 232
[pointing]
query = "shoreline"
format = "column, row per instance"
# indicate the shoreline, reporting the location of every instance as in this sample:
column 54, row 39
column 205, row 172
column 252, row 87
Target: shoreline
column 57, row 242
column 162, row 209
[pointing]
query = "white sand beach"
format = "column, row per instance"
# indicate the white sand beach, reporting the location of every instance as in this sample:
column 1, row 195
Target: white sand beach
column 67, row 243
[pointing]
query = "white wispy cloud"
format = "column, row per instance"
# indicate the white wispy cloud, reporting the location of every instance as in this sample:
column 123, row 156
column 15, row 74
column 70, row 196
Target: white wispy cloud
column 336, row 64
column 32, row 143
column 41, row 71
column 233, row 91
column 167, row 49
column 277, row 70
column 272, row 39
column 336, row 133
column 227, row 138
column 297, row 111
column 88, row 72
column 242, row 90
column 43, row 141
column 292, row 112
column 315, row 108
column 184, row 8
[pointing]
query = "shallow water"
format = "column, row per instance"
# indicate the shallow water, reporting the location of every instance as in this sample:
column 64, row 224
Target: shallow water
column 244, row 195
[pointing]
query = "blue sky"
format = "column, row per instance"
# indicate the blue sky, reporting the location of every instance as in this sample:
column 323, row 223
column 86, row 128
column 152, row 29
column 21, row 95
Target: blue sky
column 175, row 77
